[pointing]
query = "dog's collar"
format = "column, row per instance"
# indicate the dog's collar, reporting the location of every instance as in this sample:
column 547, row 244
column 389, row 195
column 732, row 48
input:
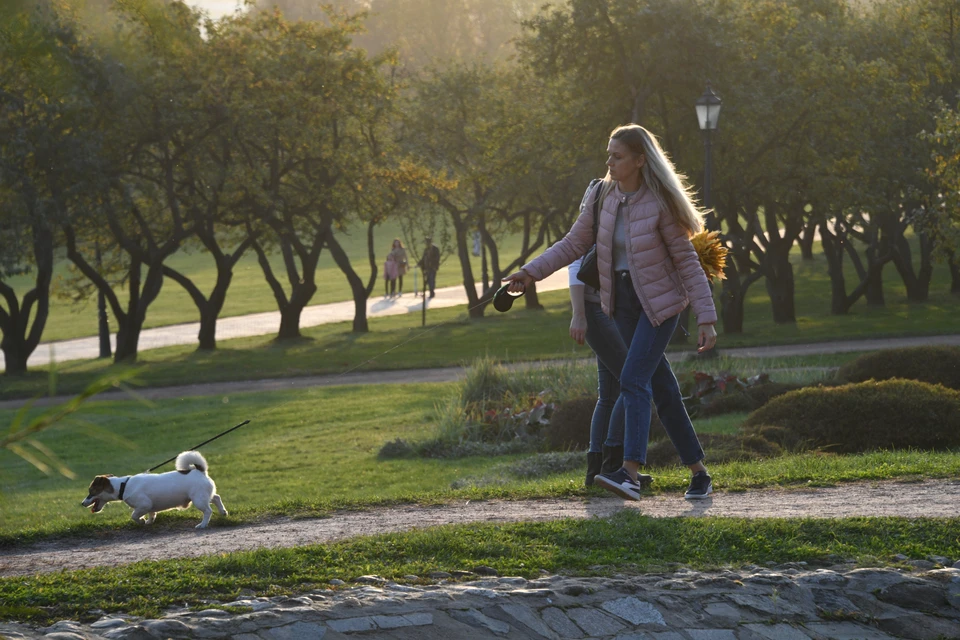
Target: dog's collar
column 123, row 485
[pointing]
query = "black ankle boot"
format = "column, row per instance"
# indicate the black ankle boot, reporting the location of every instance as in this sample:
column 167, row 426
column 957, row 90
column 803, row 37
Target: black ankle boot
column 612, row 459
column 594, row 463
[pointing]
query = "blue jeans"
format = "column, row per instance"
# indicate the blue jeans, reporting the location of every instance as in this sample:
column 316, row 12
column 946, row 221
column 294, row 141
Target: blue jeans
column 429, row 281
column 647, row 377
column 604, row 338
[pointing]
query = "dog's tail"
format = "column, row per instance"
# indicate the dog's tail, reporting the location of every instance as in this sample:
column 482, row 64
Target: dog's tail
column 191, row 460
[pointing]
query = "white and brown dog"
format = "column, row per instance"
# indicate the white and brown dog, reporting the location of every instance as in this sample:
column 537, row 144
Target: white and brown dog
column 149, row 493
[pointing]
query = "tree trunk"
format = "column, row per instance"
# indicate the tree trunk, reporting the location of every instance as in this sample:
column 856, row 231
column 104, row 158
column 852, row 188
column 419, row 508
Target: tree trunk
column 211, row 307
column 732, row 300
column 780, row 286
column 806, row 240
column 917, row 284
column 14, row 355
column 531, row 299
column 130, row 324
column 874, row 289
column 833, row 251
column 291, row 311
column 954, row 273
column 20, row 335
column 302, row 285
column 466, row 269
column 874, row 284
column 361, row 292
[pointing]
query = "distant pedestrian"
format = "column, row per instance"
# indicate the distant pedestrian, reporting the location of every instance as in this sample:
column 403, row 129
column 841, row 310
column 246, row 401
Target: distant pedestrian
column 394, row 268
column 429, row 263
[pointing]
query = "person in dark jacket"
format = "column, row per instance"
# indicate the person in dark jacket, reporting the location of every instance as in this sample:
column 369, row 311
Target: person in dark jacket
column 429, row 263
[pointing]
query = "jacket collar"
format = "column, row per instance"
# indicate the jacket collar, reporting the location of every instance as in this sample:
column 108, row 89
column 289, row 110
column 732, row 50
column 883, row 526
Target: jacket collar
column 639, row 196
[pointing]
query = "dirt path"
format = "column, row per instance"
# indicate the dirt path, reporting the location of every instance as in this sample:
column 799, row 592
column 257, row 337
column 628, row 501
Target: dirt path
column 935, row 498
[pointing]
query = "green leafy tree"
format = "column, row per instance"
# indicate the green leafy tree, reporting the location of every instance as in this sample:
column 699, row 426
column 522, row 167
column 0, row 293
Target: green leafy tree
column 299, row 141
column 487, row 129
column 145, row 113
column 44, row 153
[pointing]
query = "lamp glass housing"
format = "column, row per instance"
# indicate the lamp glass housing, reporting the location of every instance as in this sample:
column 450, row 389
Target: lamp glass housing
column 708, row 110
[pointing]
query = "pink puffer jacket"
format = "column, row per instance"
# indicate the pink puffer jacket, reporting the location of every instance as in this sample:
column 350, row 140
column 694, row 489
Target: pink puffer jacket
column 664, row 266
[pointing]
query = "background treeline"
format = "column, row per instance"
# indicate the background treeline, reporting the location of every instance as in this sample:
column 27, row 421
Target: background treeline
column 131, row 130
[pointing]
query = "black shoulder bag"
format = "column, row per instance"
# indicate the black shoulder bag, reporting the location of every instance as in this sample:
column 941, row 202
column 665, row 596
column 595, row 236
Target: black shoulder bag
column 589, row 273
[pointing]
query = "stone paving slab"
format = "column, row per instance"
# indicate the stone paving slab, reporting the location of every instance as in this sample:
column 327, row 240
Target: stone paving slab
column 621, row 607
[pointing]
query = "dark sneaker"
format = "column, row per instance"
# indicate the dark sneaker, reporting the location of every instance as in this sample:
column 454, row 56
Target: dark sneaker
column 700, row 486
column 620, row 483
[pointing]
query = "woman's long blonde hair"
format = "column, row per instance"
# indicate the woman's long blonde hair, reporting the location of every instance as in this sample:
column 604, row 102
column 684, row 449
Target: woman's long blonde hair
column 659, row 175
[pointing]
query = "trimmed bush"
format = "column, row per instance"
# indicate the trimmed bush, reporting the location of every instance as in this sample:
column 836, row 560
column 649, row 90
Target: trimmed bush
column 749, row 399
column 893, row 414
column 936, row 365
column 570, row 425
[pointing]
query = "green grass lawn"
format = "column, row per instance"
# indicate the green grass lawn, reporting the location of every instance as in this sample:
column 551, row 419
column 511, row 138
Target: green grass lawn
column 316, row 450
column 628, row 542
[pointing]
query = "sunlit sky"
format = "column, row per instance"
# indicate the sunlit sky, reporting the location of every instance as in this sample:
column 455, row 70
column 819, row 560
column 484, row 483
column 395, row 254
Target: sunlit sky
column 216, row 8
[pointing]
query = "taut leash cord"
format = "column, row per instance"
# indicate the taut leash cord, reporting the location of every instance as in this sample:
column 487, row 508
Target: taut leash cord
column 200, row 445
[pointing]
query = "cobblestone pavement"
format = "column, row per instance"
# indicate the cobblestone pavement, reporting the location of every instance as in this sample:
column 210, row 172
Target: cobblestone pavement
column 790, row 601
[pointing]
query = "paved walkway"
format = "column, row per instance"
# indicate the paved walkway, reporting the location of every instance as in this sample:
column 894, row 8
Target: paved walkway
column 267, row 323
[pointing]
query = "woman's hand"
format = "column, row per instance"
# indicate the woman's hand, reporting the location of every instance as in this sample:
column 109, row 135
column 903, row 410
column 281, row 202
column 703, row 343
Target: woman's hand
column 578, row 328
column 707, row 339
column 519, row 281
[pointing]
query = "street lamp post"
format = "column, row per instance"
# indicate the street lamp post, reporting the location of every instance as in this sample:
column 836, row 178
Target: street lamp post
column 708, row 112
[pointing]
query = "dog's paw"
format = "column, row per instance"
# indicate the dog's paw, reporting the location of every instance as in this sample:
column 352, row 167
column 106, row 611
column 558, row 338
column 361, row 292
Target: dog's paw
column 200, row 526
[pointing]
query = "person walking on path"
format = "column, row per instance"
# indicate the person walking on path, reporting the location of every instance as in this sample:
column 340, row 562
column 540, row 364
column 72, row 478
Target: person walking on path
column 589, row 324
column 395, row 268
column 649, row 272
column 429, row 264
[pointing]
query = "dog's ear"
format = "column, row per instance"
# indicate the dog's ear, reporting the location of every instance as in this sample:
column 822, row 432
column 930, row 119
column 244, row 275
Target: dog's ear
column 101, row 484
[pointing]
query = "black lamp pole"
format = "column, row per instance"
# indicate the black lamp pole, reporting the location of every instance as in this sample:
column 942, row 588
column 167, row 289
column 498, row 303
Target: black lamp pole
column 708, row 112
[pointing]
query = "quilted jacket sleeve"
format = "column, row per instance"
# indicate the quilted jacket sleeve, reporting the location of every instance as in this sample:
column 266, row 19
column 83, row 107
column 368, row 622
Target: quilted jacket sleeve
column 687, row 263
column 572, row 246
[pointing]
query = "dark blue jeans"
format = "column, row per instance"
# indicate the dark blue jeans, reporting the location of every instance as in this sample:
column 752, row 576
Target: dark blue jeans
column 647, row 376
column 604, row 338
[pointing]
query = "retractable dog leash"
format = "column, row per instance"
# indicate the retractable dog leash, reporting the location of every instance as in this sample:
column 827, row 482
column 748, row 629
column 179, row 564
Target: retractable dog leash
column 201, row 444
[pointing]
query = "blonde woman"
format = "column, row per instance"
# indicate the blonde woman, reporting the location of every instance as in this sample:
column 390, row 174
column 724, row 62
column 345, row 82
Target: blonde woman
column 649, row 273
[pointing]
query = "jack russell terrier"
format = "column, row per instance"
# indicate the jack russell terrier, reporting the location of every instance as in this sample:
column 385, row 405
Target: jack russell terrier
column 149, row 493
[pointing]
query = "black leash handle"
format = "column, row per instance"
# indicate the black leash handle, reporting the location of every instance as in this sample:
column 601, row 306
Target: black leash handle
column 200, row 445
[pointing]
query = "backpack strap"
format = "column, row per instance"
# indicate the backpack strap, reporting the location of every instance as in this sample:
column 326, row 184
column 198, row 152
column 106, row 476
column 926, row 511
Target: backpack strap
column 598, row 184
